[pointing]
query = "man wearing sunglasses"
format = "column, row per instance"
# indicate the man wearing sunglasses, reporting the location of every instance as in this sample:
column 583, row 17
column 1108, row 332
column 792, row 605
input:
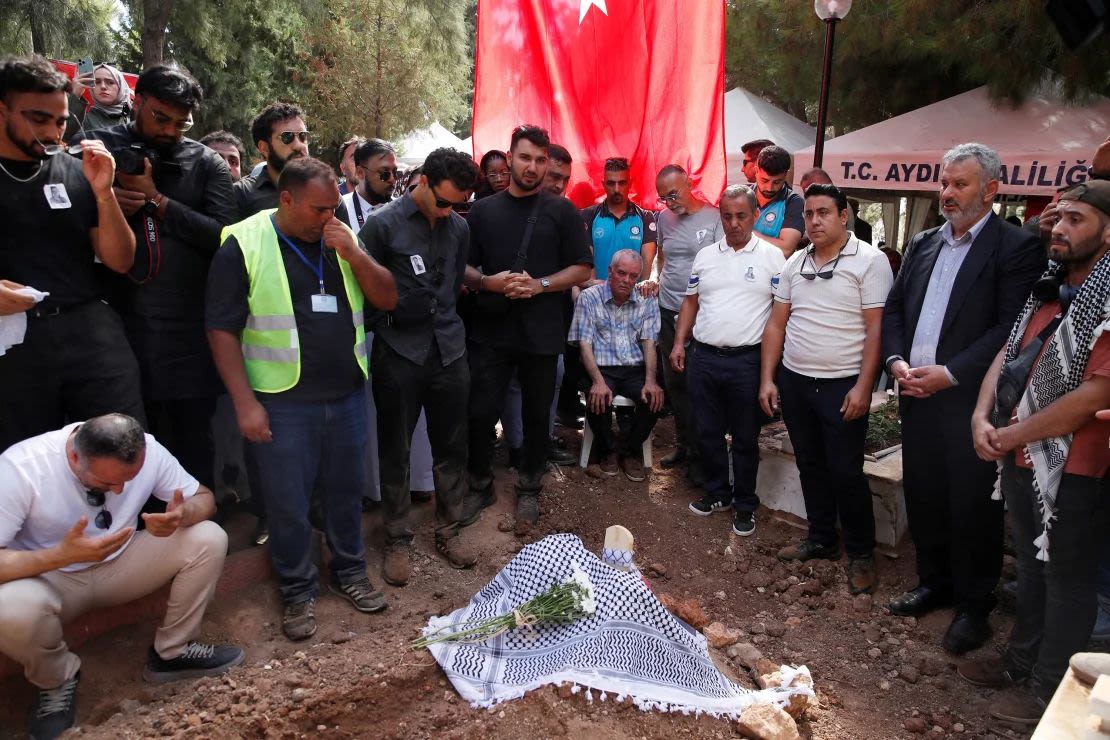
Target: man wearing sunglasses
column 176, row 206
column 280, row 135
column 74, row 361
column 69, row 500
column 826, row 378
column 376, row 176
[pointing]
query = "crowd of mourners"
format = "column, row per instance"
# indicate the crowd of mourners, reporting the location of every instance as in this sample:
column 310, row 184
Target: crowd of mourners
column 168, row 318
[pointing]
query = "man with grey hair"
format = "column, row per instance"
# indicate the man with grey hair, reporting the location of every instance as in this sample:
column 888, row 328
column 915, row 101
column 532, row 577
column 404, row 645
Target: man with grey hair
column 616, row 328
column 727, row 304
column 69, row 500
column 950, row 310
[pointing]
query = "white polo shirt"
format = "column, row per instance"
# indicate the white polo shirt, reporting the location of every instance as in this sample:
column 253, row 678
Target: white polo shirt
column 734, row 289
column 825, row 332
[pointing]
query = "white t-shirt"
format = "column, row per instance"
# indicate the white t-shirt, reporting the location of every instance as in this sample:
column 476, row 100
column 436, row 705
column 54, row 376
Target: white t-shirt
column 825, row 331
column 680, row 240
column 41, row 497
column 734, row 289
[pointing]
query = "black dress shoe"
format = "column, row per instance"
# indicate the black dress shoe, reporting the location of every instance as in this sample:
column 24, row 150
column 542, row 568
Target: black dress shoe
column 968, row 631
column 918, row 602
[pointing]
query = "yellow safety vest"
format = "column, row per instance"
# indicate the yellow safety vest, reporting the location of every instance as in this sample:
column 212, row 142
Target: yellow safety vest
column 271, row 349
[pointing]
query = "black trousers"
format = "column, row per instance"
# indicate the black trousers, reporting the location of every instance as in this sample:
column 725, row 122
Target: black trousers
column 184, row 427
column 490, row 372
column 401, row 389
column 686, row 433
column 627, row 381
column 724, row 395
column 70, row 367
column 955, row 525
column 1056, row 600
column 829, row 454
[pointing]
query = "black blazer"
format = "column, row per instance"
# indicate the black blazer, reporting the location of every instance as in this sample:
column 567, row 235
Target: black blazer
column 989, row 292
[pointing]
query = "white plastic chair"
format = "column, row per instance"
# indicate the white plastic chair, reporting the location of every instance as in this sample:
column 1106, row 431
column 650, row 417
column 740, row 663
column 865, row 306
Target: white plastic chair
column 588, row 436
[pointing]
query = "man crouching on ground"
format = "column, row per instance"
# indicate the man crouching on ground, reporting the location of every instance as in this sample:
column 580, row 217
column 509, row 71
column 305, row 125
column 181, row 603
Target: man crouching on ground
column 69, row 501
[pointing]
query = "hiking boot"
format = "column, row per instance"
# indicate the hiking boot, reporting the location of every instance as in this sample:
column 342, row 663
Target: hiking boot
column 707, row 505
column 1018, row 707
column 527, row 511
column 457, row 553
column 54, row 710
column 608, row 465
column 676, row 457
column 397, row 565
column 633, row 468
column 475, row 502
column 862, row 578
column 808, row 550
column 743, row 524
column 362, row 595
column 299, row 620
column 991, row 673
column 196, row 661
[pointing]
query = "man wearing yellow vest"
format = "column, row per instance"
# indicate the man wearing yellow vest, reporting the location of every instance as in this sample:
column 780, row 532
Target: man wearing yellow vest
column 286, row 296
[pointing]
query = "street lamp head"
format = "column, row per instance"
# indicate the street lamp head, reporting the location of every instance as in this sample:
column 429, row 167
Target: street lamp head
column 832, row 9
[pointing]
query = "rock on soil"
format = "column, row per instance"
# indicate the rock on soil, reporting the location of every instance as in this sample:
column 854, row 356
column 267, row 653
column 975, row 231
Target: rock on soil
column 688, row 610
column 720, row 636
column 767, row 722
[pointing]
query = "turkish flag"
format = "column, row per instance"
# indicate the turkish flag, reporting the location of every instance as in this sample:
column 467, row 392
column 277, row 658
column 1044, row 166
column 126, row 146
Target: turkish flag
column 641, row 79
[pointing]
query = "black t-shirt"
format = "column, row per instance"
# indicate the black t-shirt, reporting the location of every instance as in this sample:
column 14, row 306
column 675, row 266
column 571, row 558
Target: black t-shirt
column 45, row 239
column 329, row 370
column 559, row 240
column 254, row 194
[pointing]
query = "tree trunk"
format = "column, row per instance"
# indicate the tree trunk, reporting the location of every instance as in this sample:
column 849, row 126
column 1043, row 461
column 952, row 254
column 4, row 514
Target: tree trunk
column 38, row 36
column 379, row 77
column 156, row 15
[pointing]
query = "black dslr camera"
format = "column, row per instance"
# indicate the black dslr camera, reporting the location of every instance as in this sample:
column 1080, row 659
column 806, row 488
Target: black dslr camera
column 129, row 159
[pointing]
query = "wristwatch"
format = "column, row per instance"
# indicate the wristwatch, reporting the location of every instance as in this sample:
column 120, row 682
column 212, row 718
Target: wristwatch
column 545, row 284
column 150, row 207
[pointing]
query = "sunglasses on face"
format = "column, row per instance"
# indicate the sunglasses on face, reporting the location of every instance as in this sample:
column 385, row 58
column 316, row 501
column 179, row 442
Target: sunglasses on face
column 385, row 174
column 104, row 518
column 825, row 273
column 441, row 202
column 286, row 137
column 670, row 197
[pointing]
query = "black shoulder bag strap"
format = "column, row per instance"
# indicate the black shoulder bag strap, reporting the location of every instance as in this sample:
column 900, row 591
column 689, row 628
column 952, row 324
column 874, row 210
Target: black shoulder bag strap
column 522, row 253
column 1015, row 375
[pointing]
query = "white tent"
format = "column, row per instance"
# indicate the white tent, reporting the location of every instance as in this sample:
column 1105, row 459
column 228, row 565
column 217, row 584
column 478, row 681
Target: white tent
column 415, row 147
column 749, row 117
column 1044, row 144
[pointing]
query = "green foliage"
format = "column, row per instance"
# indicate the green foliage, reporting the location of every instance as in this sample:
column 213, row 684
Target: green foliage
column 884, row 426
column 61, row 29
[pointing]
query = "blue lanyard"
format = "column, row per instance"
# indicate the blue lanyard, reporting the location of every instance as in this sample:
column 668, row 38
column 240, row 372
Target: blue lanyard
column 317, row 271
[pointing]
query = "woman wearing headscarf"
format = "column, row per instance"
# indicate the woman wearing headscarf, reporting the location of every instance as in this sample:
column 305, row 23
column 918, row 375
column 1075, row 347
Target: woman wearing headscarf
column 111, row 98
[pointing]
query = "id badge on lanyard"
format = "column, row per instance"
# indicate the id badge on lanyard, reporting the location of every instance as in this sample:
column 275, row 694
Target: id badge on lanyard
column 322, row 302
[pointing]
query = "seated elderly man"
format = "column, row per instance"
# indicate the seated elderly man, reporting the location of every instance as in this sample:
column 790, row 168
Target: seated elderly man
column 616, row 328
column 69, row 503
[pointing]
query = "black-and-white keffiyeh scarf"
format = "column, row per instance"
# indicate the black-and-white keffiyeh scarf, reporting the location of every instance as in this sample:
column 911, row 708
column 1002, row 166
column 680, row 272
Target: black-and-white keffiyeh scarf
column 1059, row 371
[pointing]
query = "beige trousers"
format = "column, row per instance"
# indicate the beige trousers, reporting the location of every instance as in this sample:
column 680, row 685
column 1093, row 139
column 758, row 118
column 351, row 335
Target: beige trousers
column 33, row 610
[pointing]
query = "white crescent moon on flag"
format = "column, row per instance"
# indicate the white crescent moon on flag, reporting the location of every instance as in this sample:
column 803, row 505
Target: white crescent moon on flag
column 585, row 8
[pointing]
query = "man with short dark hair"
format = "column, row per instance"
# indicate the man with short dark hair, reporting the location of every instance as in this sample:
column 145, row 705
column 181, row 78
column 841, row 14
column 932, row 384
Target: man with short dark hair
column 419, row 354
column 280, row 135
column 826, row 378
column 69, row 500
column 177, row 197
column 347, row 166
column 375, row 163
column 617, row 223
column 779, row 220
column 286, row 299
column 751, row 151
column 558, row 169
column 531, row 247
column 230, row 147
column 74, row 361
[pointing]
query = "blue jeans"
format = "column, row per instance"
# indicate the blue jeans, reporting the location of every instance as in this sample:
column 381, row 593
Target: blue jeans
column 314, row 442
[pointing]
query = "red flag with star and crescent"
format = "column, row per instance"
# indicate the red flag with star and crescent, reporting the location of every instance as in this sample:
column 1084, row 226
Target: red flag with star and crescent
column 641, row 79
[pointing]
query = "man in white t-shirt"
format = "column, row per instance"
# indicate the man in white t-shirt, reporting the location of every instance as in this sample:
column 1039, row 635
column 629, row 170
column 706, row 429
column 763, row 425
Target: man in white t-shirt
column 728, row 301
column 69, row 503
column 824, row 327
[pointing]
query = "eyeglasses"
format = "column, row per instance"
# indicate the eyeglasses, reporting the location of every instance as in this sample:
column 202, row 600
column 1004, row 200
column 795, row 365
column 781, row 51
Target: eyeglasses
column 181, row 125
column 96, row 498
column 440, row 202
column 498, row 175
column 52, row 149
column 287, row 137
column 670, row 197
column 825, row 273
column 385, row 174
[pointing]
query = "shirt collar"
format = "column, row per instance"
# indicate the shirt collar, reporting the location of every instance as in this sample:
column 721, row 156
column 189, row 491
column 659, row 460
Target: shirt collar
column 632, row 210
column 607, row 294
column 722, row 246
column 971, row 235
column 408, row 205
column 850, row 248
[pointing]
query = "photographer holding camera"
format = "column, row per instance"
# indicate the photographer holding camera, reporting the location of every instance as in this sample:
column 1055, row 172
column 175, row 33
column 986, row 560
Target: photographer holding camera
column 176, row 194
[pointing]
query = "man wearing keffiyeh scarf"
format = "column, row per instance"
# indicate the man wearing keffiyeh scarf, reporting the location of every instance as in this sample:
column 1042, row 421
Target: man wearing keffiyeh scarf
column 1054, row 455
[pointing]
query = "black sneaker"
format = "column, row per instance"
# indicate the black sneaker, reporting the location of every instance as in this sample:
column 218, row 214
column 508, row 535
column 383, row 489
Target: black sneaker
column 743, row 524
column 198, row 660
column 362, row 594
column 707, row 505
column 298, row 621
column 808, row 550
column 54, row 710
column 475, row 502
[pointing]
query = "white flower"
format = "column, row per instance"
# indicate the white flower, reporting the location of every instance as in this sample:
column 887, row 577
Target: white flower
column 579, row 578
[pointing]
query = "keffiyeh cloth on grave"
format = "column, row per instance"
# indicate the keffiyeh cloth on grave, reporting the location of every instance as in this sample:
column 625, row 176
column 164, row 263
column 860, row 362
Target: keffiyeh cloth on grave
column 631, row 647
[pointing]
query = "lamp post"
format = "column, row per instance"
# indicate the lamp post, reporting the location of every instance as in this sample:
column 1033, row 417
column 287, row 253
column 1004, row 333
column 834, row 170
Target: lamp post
column 830, row 11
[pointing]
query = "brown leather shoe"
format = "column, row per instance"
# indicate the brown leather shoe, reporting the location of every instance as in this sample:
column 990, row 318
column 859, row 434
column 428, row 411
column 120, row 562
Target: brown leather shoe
column 609, row 465
column 633, row 468
column 457, row 552
column 1087, row 667
column 1017, row 707
column 989, row 672
column 396, row 565
column 862, row 576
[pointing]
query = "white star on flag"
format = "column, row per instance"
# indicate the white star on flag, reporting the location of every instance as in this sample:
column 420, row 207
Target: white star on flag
column 586, row 5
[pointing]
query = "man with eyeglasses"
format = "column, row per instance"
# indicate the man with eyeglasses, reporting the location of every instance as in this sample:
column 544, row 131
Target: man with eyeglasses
column 376, row 175
column 74, row 360
column 69, row 500
column 751, row 151
column 824, row 328
column 685, row 226
column 779, row 220
column 280, row 135
column 419, row 355
column 176, row 205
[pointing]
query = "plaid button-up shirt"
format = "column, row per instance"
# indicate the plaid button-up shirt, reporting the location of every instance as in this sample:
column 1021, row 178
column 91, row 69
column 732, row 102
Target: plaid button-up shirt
column 614, row 332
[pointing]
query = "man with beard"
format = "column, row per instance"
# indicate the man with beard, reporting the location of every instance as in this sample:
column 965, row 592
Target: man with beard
column 779, row 220
column 530, row 247
column 959, row 289
column 376, row 175
column 74, row 361
column 280, row 134
column 751, row 152
column 1043, row 391
column 230, row 147
column 177, row 198
column 617, row 223
column 347, row 166
column 558, row 169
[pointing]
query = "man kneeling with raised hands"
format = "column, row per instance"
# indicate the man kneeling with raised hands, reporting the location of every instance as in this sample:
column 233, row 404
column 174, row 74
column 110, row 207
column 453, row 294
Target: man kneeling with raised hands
column 69, row 502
